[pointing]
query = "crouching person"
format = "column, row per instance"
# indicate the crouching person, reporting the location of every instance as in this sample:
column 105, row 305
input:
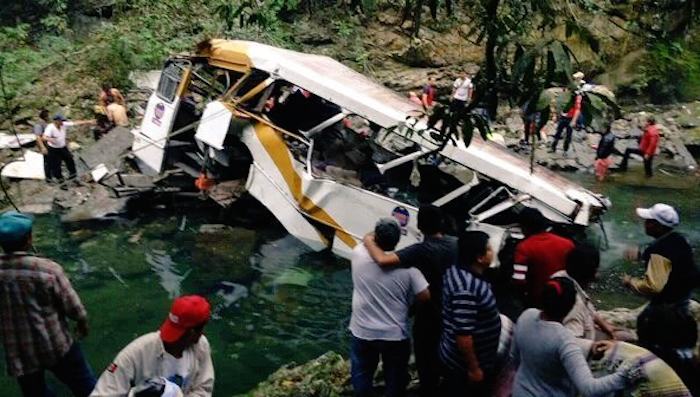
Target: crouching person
column 471, row 323
column 381, row 299
column 178, row 353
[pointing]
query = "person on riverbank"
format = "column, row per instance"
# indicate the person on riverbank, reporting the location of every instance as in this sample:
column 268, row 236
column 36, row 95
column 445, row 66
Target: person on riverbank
column 108, row 92
column 670, row 277
column 178, row 352
column 38, row 130
column 471, row 322
column 583, row 320
column 462, row 93
column 647, row 148
column 550, row 360
column 116, row 113
column 432, row 256
column 603, row 153
column 381, row 299
column 538, row 256
column 37, row 300
column 429, row 93
column 568, row 121
column 58, row 153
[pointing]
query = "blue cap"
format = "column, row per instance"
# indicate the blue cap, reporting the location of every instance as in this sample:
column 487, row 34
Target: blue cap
column 14, row 226
column 59, row 116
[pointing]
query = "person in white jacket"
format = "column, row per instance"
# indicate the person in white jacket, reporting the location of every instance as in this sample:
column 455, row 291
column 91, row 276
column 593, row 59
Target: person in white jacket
column 178, row 352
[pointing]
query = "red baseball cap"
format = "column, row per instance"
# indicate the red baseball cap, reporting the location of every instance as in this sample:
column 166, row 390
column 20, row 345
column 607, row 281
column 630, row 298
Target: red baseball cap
column 186, row 312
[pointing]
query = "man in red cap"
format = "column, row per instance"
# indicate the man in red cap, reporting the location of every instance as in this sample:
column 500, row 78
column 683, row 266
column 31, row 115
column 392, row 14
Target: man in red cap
column 179, row 353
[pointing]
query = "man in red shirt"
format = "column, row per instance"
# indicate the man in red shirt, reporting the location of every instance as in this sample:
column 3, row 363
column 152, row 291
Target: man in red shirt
column 647, row 147
column 568, row 121
column 428, row 97
column 538, row 256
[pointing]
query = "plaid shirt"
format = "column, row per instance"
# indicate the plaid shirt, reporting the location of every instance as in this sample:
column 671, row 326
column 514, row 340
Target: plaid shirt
column 35, row 299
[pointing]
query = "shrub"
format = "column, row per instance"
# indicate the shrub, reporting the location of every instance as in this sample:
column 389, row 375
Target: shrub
column 671, row 71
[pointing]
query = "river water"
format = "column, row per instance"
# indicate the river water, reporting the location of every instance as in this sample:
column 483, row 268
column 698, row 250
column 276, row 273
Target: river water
column 274, row 301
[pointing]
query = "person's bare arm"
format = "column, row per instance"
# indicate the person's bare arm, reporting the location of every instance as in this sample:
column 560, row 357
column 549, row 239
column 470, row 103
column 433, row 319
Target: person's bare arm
column 378, row 255
column 423, row 296
column 465, row 344
column 604, row 325
column 82, row 122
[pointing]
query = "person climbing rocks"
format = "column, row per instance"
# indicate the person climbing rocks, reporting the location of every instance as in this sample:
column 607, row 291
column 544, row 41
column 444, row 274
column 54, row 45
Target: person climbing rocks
column 116, row 113
column 36, row 303
column 647, row 148
column 604, row 151
column 568, row 121
column 107, row 92
column 178, row 352
column 432, row 256
column 379, row 323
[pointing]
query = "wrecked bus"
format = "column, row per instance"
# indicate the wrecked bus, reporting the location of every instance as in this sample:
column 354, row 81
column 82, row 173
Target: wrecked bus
column 328, row 151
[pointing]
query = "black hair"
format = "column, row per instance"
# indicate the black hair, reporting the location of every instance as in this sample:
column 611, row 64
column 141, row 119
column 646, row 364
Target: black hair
column 44, row 114
column 430, row 220
column 532, row 220
column 21, row 244
column 387, row 234
column 472, row 245
column 651, row 120
column 582, row 263
column 558, row 298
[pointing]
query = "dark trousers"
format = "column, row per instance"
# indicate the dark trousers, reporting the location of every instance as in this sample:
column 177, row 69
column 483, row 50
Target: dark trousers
column 47, row 168
column 457, row 385
column 457, row 106
column 56, row 158
column 426, row 342
column 72, row 370
column 364, row 358
column 564, row 124
column 647, row 162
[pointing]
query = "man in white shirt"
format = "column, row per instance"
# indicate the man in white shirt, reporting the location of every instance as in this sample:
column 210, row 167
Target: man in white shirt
column 462, row 91
column 178, row 353
column 55, row 138
column 381, row 300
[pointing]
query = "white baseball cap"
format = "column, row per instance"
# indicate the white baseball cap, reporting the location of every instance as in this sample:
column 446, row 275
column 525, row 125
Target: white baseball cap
column 662, row 213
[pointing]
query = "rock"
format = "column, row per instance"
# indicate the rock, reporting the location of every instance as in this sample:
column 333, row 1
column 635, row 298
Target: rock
column 421, row 53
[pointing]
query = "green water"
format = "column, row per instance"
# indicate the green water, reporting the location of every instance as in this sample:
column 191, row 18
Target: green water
column 274, row 301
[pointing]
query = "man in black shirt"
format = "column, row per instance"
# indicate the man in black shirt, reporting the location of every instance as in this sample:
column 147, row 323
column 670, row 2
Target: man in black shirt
column 432, row 257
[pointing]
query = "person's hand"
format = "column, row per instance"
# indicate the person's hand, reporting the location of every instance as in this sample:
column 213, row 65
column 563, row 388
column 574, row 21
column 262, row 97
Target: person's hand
column 631, row 253
column 81, row 329
column 626, row 280
column 369, row 238
column 647, row 157
column 599, row 348
column 572, row 124
column 475, row 375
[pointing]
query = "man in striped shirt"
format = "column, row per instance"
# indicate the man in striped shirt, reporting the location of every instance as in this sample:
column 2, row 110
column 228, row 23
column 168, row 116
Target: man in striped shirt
column 36, row 300
column 471, row 322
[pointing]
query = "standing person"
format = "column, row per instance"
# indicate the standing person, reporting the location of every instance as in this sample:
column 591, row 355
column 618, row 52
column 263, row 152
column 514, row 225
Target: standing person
column 428, row 96
column 55, row 137
column 36, row 302
column 647, row 147
column 432, row 257
column 538, row 256
column 551, row 363
column 462, row 92
column 471, row 322
column 606, row 147
column 116, row 113
column 381, row 299
column 583, row 320
column 38, row 130
column 665, row 326
column 178, row 352
column 567, row 121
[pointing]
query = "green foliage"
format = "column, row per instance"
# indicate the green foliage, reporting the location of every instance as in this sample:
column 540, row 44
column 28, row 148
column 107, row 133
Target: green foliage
column 112, row 60
column 671, row 71
column 264, row 14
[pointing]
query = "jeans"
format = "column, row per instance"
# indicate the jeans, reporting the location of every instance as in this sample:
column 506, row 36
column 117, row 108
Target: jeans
column 647, row 162
column 71, row 369
column 56, row 157
column 364, row 358
column 564, row 123
column 457, row 385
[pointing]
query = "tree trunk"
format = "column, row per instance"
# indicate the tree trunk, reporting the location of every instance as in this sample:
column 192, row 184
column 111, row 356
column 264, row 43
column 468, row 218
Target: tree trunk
column 448, row 7
column 406, row 12
column 491, row 72
column 417, row 12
